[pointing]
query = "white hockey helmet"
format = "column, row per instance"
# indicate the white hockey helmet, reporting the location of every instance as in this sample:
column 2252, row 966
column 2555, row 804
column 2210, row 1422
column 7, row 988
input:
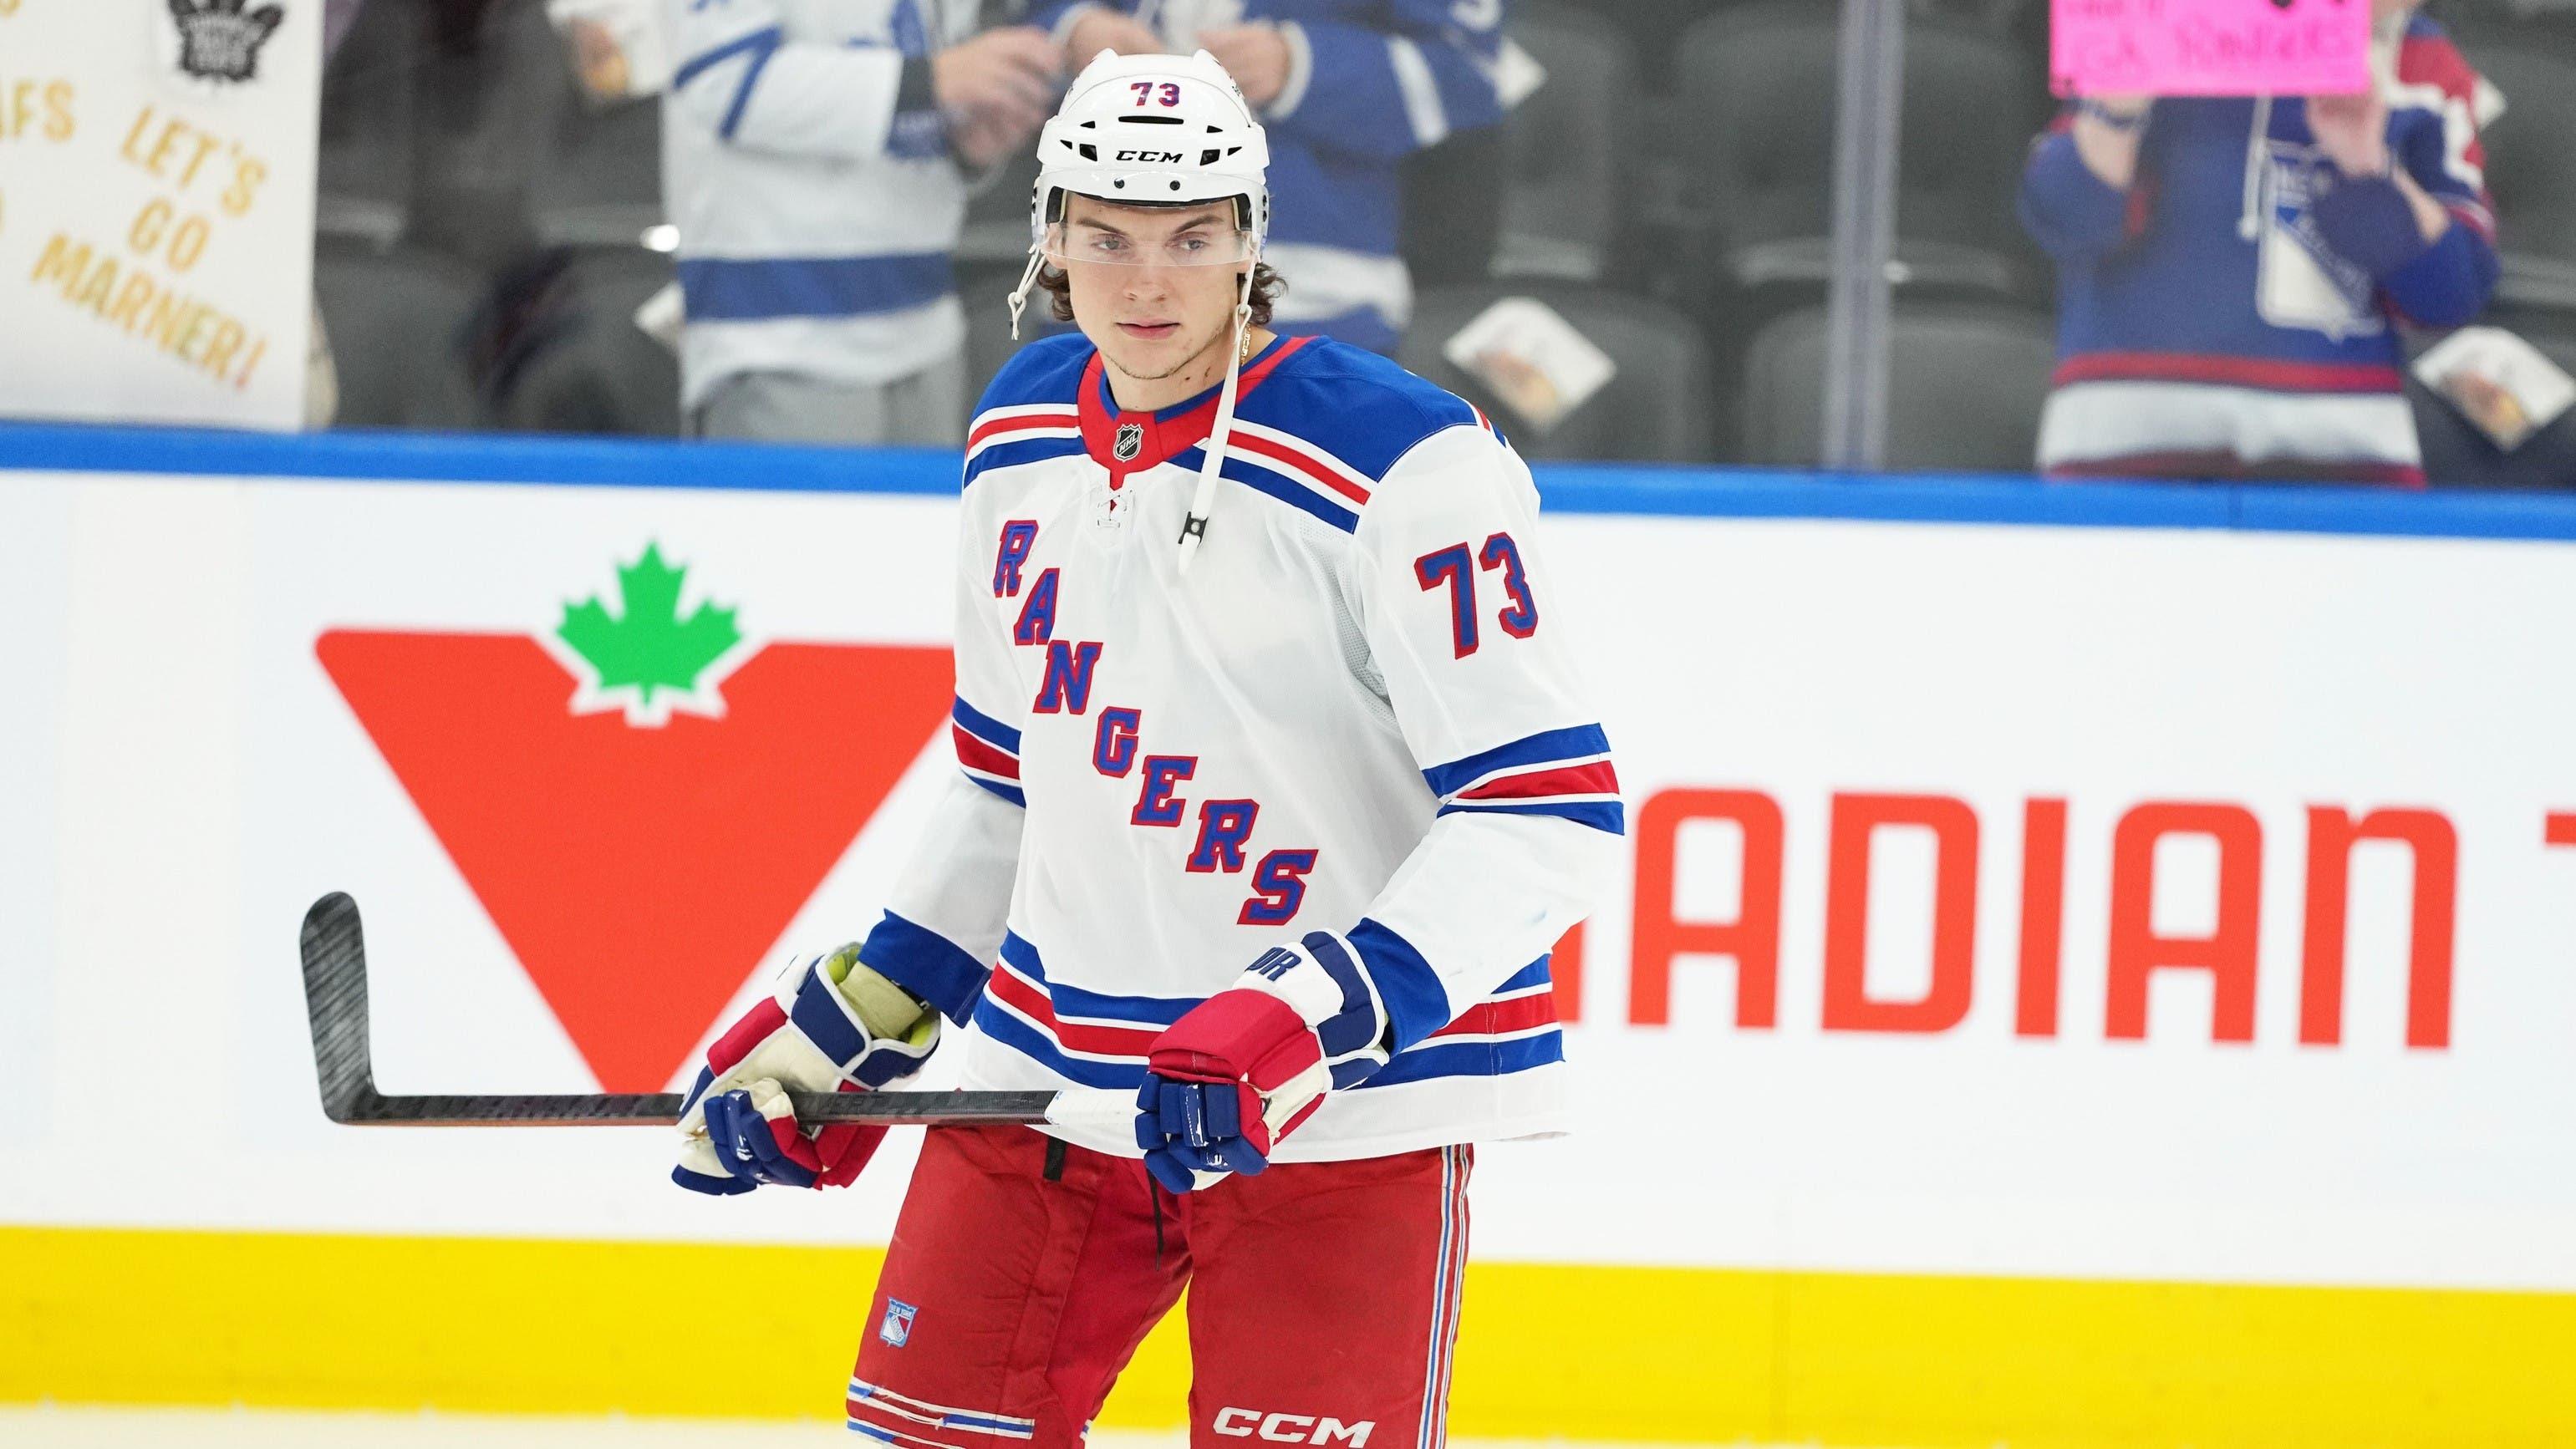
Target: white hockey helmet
column 1148, row 129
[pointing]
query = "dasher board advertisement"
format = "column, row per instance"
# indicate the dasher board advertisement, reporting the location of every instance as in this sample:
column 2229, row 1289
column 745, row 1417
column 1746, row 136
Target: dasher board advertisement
column 157, row 164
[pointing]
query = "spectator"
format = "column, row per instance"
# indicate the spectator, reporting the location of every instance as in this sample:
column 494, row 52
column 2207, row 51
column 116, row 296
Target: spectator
column 811, row 159
column 1347, row 90
column 2231, row 272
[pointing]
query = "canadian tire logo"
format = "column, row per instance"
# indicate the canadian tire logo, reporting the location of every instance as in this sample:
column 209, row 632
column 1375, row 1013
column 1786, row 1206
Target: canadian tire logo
column 643, row 798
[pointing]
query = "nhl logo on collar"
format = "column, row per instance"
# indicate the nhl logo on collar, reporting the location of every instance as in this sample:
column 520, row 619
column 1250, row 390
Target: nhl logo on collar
column 1129, row 442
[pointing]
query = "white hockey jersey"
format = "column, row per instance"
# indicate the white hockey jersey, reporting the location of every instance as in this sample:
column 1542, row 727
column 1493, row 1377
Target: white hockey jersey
column 1353, row 713
column 807, row 171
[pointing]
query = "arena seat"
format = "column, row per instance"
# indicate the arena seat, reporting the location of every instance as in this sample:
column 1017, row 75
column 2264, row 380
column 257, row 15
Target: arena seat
column 397, row 319
column 1965, row 385
column 585, row 367
column 1568, row 147
column 2527, row 169
column 1757, row 88
column 1655, row 409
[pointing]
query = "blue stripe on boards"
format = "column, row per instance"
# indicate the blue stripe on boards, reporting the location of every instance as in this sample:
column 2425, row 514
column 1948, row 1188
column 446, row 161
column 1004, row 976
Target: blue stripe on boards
column 441, row 459
column 758, row 289
column 1574, row 742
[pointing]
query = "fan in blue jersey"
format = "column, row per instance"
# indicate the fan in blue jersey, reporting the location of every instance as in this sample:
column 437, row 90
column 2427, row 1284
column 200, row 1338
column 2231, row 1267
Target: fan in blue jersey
column 812, row 154
column 1276, row 786
column 2233, row 274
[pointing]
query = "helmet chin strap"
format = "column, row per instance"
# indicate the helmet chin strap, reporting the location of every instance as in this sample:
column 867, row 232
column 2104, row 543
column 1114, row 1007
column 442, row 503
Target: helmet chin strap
column 1203, row 500
column 1020, row 294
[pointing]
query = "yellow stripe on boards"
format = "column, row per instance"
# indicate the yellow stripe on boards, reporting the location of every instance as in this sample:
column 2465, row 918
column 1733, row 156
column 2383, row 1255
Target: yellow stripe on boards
column 1683, row 1355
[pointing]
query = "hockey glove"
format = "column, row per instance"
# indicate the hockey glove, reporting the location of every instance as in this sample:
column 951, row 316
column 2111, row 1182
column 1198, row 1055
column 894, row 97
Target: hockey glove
column 835, row 1026
column 1243, row 1068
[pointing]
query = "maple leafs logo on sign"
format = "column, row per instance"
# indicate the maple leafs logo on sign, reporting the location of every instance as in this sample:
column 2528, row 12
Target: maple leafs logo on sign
column 644, row 798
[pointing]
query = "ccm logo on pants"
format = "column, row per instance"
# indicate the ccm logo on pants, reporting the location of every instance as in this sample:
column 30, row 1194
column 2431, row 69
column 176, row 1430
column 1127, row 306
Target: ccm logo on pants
column 1292, row 1428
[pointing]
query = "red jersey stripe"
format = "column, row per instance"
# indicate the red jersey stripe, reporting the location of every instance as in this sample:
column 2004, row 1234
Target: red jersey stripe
column 2233, row 371
column 976, row 754
column 1310, row 467
column 1597, row 778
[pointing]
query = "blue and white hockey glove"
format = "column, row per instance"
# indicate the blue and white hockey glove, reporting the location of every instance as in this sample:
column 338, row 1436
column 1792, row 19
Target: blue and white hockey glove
column 1243, row 1068
column 835, row 1026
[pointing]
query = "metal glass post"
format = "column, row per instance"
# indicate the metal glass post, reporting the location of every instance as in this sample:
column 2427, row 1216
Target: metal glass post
column 1868, row 101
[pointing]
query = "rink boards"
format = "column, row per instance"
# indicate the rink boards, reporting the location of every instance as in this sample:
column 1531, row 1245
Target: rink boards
column 2093, row 963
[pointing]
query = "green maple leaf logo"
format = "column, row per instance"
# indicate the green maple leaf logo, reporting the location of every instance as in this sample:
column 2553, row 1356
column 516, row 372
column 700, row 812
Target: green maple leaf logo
column 650, row 646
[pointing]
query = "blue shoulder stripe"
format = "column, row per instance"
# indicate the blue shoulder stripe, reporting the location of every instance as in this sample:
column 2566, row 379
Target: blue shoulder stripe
column 1262, row 480
column 1027, row 450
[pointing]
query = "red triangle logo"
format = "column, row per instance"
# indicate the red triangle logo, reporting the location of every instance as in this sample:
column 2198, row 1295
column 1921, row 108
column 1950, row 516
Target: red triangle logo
column 640, row 874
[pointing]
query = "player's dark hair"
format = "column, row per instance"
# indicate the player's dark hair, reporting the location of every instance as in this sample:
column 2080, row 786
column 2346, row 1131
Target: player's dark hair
column 1266, row 286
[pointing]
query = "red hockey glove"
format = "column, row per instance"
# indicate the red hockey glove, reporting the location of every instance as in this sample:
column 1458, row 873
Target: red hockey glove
column 1246, row 1066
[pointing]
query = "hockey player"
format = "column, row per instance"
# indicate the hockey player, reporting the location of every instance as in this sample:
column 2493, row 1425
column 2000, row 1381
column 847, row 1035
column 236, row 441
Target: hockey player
column 1276, row 790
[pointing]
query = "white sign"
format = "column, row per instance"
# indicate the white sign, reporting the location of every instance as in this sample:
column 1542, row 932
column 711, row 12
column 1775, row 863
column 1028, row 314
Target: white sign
column 2143, row 903
column 156, row 208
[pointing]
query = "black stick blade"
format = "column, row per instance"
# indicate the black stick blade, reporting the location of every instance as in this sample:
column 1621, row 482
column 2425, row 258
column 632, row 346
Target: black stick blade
column 335, row 1005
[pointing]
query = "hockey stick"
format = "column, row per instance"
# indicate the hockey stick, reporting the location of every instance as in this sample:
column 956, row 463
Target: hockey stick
column 335, row 1000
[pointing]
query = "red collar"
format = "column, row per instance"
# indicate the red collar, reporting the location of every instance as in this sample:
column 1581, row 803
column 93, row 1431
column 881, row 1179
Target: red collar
column 1157, row 436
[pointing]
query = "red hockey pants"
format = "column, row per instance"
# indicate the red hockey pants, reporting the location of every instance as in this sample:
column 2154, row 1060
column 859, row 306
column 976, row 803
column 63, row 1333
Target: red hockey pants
column 1024, row 1272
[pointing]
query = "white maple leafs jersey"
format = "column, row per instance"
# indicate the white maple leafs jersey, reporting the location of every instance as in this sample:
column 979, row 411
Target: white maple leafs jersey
column 1354, row 713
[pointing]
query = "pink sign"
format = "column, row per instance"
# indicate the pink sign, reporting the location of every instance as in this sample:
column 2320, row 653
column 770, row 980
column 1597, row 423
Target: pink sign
column 2209, row 47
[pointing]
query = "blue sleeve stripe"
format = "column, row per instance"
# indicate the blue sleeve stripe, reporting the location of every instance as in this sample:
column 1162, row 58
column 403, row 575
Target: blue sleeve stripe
column 1074, row 1002
column 1468, row 1059
column 757, row 289
column 1416, row 1003
column 1012, row 793
column 927, row 964
column 1574, row 742
column 766, row 38
column 1607, row 815
column 742, row 91
column 761, row 44
column 1534, row 974
column 984, row 727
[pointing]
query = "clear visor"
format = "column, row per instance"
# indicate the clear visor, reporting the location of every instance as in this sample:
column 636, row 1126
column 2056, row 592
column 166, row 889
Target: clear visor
column 1215, row 244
